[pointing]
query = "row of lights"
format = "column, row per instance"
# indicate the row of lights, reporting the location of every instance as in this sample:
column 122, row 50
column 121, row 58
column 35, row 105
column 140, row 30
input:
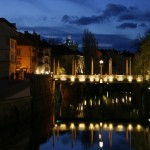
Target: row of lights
column 97, row 78
column 105, row 126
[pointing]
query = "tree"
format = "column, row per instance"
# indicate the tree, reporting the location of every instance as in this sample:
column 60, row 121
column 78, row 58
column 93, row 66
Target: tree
column 142, row 57
column 90, row 51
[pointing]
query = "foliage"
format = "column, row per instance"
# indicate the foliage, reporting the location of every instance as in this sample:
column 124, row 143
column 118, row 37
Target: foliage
column 89, row 50
column 142, row 57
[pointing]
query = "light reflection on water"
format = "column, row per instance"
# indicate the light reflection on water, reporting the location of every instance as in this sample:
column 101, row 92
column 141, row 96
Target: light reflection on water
column 95, row 136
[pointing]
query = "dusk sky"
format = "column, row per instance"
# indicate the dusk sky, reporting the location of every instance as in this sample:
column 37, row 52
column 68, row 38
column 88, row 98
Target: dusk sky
column 115, row 23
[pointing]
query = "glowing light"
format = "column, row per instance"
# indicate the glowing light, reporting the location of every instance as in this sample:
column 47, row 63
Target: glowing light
column 37, row 71
column 99, row 102
column 81, row 126
column 110, row 126
column 120, row 127
column 139, row 79
column 82, row 78
column 101, row 144
column 90, row 102
column 63, row 78
column 72, row 78
column 63, row 127
column 110, row 78
column 116, row 100
column 96, row 78
column 96, row 126
column 130, row 127
column 101, row 124
column 130, row 78
column 105, row 126
column 85, row 102
column 107, row 93
column 72, row 126
column 91, row 126
column 42, row 72
column 139, row 127
column 101, row 81
column 105, row 78
column 120, row 77
column 91, row 78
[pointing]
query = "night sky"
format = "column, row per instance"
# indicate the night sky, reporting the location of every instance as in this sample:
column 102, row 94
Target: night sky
column 115, row 23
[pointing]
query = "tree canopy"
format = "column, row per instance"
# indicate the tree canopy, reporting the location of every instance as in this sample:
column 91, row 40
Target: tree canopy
column 142, row 57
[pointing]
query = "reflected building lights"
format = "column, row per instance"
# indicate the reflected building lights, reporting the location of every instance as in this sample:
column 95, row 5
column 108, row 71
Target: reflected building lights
column 110, row 128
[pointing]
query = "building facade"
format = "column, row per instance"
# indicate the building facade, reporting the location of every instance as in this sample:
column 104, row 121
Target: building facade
column 8, row 46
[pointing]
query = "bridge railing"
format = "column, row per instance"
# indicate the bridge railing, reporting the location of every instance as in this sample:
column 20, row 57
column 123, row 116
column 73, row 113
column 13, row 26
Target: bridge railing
column 102, row 78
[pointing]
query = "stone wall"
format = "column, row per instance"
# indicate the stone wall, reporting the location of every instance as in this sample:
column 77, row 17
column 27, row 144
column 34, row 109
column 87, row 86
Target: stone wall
column 15, row 111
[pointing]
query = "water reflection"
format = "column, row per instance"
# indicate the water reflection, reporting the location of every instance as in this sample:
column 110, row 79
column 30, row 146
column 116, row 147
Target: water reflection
column 98, row 136
column 105, row 101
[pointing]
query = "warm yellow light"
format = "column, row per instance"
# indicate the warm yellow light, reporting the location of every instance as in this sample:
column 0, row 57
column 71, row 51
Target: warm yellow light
column 85, row 102
column 130, row 127
column 72, row 126
column 63, row 127
column 101, row 124
column 130, row 78
column 139, row 127
column 139, row 79
column 96, row 126
column 105, row 126
column 120, row 127
column 63, row 78
column 120, row 77
column 81, row 126
column 96, row 78
column 91, row 78
column 82, row 79
column 91, row 127
column 101, row 80
column 110, row 78
column 110, row 126
column 37, row 71
column 72, row 78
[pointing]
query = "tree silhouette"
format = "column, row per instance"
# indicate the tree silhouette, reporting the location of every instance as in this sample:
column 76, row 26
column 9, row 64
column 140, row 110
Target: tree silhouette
column 141, row 59
column 90, row 51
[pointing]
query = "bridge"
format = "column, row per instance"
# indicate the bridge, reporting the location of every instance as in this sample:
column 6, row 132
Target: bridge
column 102, row 78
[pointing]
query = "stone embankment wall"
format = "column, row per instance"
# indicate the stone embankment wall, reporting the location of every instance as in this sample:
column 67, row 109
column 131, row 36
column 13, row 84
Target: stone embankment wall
column 38, row 103
column 41, row 89
column 15, row 111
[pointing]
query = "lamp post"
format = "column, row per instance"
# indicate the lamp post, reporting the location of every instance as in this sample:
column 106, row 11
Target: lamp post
column 101, row 67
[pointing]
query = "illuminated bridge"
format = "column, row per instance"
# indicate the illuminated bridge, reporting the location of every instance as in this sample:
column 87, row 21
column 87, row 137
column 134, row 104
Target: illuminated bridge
column 102, row 78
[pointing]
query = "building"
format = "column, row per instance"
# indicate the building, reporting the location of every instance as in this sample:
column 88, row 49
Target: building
column 70, row 43
column 66, row 60
column 44, row 59
column 8, row 46
column 26, row 55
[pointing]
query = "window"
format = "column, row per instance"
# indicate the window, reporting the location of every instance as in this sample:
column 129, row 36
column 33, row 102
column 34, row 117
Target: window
column 18, row 52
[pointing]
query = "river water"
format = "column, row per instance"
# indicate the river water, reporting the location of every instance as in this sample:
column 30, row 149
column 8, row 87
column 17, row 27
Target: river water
column 87, row 117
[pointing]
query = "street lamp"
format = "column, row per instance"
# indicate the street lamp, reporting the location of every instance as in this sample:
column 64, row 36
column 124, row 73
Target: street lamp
column 101, row 67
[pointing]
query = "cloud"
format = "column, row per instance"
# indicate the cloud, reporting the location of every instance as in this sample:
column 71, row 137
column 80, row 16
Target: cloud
column 114, row 10
column 127, row 25
column 124, row 17
column 143, row 25
column 111, row 12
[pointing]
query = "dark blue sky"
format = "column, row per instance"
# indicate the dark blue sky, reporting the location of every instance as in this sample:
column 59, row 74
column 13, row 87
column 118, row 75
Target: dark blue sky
column 115, row 23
